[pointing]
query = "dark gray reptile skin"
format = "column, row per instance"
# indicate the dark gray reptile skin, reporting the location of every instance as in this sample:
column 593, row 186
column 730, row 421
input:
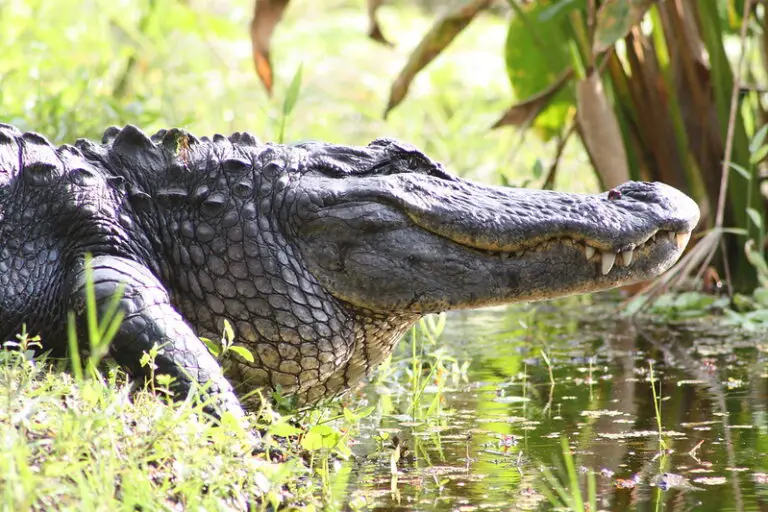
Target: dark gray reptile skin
column 319, row 255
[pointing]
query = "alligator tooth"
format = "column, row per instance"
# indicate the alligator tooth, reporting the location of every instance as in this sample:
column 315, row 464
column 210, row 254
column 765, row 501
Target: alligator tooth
column 671, row 235
column 519, row 253
column 608, row 260
column 626, row 257
column 681, row 239
column 589, row 251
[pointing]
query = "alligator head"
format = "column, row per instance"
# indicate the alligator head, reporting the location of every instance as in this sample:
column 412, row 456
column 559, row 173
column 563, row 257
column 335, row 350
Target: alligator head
column 391, row 236
column 388, row 230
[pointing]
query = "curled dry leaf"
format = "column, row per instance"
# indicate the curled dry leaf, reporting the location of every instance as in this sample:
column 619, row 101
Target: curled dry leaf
column 615, row 18
column 600, row 131
column 435, row 41
column 526, row 111
column 374, row 29
column 266, row 14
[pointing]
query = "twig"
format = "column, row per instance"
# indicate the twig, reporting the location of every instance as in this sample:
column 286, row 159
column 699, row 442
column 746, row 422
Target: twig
column 549, row 181
column 731, row 126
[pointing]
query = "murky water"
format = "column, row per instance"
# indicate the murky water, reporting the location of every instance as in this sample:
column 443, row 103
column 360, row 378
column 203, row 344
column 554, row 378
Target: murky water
column 494, row 431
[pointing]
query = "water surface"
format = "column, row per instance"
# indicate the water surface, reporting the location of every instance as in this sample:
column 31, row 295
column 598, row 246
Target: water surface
column 495, row 426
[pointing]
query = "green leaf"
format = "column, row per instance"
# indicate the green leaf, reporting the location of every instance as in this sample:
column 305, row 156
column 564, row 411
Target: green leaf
column 758, row 139
column 437, row 39
column 321, row 437
column 284, row 429
column 538, row 169
column 757, row 220
column 555, row 9
column 536, row 54
column 693, row 302
column 242, row 352
column 355, row 416
column 228, row 337
column 761, row 296
column 212, row 347
column 758, row 155
column 292, row 94
column 164, row 380
column 741, row 170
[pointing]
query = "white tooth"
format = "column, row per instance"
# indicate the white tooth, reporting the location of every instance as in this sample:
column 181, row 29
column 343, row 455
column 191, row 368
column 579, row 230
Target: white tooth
column 681, row 239
column 608, row 260
column 519, row 253
column 589, row 251
column 626, row 257
column 671, row 235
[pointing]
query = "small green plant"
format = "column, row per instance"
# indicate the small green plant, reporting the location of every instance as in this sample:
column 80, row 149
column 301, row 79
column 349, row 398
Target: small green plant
column 328, row 438
column 567, row 488
column 656, row 406
column 101, row 331
column 25, row 346
column 289, row 103
column 227, row 344
column 423, row 335
column 158, row 383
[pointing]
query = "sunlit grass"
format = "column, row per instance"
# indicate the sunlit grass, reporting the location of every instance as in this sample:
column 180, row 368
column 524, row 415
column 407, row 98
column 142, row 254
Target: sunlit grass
column 88, row 445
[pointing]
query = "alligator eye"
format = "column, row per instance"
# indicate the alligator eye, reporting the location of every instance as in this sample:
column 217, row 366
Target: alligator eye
column 413, row 164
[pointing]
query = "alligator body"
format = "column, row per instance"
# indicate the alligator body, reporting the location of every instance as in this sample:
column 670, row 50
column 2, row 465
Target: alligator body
column 319, row 255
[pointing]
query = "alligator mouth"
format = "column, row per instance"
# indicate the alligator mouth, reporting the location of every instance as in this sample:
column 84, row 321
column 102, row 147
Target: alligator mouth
column 410, row 243
column 605, row 259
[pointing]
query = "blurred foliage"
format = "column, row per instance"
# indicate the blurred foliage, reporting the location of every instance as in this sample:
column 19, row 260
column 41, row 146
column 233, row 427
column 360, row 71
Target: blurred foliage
column 70, row 70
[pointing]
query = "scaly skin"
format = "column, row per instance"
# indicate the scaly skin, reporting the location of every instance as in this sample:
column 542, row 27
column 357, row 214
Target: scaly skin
column 320, row 255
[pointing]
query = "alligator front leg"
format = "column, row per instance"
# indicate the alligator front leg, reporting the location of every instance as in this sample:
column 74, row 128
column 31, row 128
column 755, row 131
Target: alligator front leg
column 150, row 319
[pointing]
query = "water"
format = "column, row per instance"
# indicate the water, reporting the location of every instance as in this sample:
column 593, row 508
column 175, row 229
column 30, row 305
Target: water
column 499, row 427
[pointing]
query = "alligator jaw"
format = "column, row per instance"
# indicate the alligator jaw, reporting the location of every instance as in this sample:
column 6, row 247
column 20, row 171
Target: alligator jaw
column 587, row 269
column 419, row 244
column 605, row 261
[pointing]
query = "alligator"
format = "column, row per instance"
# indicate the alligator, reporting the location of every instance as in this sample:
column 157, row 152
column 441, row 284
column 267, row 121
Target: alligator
column 319, row 255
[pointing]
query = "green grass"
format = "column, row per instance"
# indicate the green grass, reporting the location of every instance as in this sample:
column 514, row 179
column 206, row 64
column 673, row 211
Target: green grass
column 94, row 444
column 92, row 447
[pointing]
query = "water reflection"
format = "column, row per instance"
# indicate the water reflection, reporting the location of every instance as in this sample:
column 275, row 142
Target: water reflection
column 539, row 373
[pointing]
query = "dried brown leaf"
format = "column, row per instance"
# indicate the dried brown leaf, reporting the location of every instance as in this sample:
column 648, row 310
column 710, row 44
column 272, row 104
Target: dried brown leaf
column 266, row 15
column 600, row 131
column 435, row 41
column 374, row 29
column 615, row 18
column 525, row 112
